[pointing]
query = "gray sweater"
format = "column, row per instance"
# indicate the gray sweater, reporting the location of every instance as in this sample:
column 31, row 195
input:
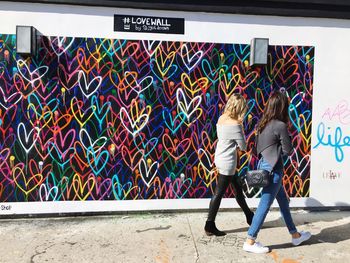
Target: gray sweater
column 274, row 141
column 230, row 136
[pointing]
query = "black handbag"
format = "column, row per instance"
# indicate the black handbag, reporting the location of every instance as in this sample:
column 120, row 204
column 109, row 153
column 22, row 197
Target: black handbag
column 258, row 178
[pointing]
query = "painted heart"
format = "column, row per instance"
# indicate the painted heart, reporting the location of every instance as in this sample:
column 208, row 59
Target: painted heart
column 136, row 120
column 138, row 86
column 164, row 64
column 10, row 101
column 242, row 51
column 83, row 189
column 181, row 187
column 26, row 184
column 148, row 145
column 228, row 82
column 148, row 171
column 86, row 62
column 300, row 165
column 61, row 44
column 89, row 144
column 208, row 176
column 132, row 159
column 121, row 191
column 189, row 108
column 97, row 161
column 82, row 116
column 101, row 111
column 88, row 88
column 173, row 120
column 130, row 49
column 60, row 156
column 43, row 149
column 27, row 139
column 175, row 147
column 190, row 61
column 47, row 194
column 31, row 76
column 68, row 75
column 151, row 46
column 205, row 160
column 200, row 84
column 64, row 140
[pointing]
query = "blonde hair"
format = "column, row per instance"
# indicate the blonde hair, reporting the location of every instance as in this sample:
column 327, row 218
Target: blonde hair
column 236, row 106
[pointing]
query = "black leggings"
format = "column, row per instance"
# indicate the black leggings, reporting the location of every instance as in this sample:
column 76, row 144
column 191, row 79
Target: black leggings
column 220, row 190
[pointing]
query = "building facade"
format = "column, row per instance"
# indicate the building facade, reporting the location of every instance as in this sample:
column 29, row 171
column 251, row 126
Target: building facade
column 116, row 109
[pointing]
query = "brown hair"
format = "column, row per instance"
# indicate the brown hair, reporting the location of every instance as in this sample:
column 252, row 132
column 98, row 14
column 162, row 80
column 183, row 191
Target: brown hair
column 236, row 106
column 276, row 109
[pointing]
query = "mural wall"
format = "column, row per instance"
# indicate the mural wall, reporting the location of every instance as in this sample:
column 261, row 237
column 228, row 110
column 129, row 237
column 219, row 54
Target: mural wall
column 105, row 119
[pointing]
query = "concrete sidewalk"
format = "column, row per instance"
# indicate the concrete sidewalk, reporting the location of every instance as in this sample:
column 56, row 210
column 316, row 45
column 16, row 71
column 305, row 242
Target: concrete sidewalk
column 175, row 237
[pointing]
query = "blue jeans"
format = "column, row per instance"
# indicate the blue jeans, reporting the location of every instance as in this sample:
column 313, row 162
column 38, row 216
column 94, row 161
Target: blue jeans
column 269, row 193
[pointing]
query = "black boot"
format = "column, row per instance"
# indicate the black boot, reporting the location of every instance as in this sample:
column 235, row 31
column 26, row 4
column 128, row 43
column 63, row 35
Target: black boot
column 249, row 218
column 210, row 229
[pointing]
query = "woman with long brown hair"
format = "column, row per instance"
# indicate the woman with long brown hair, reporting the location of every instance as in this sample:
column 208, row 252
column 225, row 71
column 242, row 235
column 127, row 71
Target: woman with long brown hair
column 273, row 142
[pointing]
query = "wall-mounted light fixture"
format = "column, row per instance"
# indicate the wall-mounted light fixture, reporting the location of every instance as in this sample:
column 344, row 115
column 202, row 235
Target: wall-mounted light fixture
column 26, row 40
column 258, row 51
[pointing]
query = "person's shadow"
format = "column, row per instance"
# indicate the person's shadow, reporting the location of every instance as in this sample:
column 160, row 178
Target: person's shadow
column 299, row 219
column 332, row 234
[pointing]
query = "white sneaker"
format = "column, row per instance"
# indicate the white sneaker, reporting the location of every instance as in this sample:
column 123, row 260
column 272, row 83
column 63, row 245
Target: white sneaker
column 257, row 248
column 303, row 237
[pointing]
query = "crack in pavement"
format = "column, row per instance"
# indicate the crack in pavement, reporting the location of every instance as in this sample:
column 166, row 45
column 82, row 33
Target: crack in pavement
column 39, row 253
column 194, row 242
column 46, row 248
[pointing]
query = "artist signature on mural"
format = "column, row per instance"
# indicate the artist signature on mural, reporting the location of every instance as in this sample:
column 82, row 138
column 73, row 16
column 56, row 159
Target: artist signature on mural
column 332, row 138
column 331, row 175
column 5, row 207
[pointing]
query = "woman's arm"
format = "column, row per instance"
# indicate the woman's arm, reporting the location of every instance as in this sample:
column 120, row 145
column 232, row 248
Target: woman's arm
column 241, row 140
column 285, row 140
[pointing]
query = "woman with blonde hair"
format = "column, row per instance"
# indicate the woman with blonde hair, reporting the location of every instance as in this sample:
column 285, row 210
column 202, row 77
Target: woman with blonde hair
column 230, row 140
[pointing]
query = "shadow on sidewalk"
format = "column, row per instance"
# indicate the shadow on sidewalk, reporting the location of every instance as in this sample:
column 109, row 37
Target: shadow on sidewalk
column 333, row 234
column 299, row 219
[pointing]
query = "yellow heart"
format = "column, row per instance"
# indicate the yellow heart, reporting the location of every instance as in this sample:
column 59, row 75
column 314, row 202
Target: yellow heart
column 80, row 188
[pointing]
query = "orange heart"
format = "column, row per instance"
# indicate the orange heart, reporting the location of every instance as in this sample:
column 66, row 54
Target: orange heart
column 173, row 146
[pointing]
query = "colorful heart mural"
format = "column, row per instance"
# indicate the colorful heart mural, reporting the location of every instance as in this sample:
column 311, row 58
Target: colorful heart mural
column 102, row 119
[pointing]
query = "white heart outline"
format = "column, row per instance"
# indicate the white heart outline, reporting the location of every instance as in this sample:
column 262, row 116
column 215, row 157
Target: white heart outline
column 299, row 94
column 187, row 106
column 31, row 81
column 139, row 84
column 296, row 168
column 148, row 171
column 87, row 86
column 133, row 124
column 189, row 59
column 8, row 98
column 210, row 171
column 92, row 144
column 47, row 194
column 150, row 46
column 26, row 135
column 250, row 189
column 60, row 41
